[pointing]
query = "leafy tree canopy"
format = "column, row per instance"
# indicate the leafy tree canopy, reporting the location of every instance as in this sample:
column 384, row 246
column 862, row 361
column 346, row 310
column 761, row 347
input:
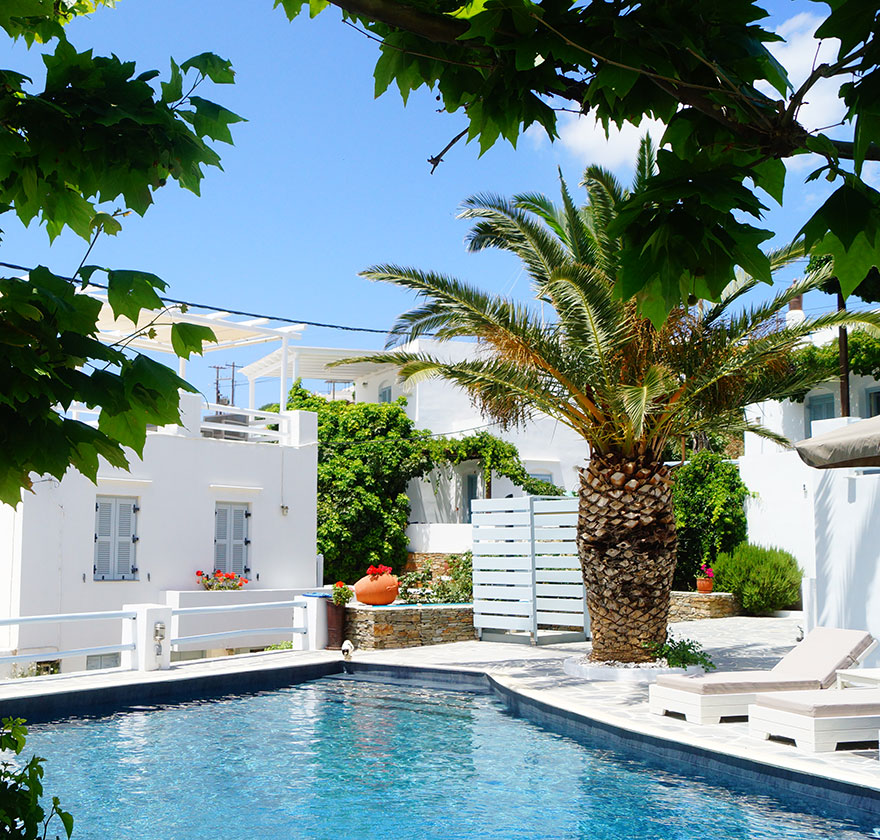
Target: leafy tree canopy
column 367, row 454
column 94, row 144
column 703, row 69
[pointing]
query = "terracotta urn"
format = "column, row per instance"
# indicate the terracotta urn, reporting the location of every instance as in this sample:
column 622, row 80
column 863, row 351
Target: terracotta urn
column 705, row 584
column 377, row 589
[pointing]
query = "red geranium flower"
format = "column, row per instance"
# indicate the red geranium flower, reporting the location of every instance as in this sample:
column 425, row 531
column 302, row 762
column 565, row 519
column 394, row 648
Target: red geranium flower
column 243, row 580
column 199, row 573
column 339, row 583
column 230, row 576
column 218, row 573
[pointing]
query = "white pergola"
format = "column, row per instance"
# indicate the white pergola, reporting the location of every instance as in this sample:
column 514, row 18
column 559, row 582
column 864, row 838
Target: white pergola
column 292, row 363
column 152, row 331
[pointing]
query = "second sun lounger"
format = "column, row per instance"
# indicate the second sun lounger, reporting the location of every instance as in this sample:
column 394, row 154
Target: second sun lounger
column 818, row 721
column 812, row 664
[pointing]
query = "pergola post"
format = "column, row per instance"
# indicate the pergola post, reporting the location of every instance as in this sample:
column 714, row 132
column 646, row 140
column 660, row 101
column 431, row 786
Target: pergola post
column 282, row 397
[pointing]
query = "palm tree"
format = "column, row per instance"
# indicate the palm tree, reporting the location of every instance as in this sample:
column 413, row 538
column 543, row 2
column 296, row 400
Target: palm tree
column 601, row 368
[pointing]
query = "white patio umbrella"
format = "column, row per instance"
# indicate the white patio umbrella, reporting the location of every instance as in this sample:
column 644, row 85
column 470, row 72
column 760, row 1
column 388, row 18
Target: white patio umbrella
column 855, row 445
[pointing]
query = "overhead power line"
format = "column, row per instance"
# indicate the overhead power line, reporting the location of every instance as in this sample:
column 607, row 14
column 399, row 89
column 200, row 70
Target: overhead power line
column 212, row 308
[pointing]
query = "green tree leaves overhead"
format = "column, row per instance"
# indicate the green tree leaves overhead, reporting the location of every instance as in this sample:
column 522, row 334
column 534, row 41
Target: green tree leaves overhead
column 50, row 357
column 99, row 140
column 704, row 70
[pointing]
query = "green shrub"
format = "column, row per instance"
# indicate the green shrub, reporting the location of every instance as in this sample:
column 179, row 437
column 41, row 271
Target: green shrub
column 764, row 579
column 710, row 517
column 680, row 653
column 421, row 587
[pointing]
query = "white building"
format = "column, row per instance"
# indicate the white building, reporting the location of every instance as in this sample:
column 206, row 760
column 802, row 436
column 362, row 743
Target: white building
column 223, row 490
column 828, row 519
column 441, row 502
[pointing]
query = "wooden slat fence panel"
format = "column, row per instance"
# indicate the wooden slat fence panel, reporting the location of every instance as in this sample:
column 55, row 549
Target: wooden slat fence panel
column 526, row 570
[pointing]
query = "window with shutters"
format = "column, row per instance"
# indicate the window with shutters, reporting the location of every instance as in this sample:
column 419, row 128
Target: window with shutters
column 231, row 537
column 115, row 538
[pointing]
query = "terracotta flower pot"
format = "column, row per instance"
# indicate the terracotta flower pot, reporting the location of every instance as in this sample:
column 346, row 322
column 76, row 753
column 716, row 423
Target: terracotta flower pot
column 705, row 584
column 335, row 625
column 376, row 589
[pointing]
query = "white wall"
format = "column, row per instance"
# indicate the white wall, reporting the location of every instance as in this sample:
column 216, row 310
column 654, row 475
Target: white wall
column 847, row 529
column 440, row 538
column 177, row 486
column 830, row 520
column 780, row 514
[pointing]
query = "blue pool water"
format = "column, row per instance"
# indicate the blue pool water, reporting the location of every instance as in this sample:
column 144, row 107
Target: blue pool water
column 356, row 761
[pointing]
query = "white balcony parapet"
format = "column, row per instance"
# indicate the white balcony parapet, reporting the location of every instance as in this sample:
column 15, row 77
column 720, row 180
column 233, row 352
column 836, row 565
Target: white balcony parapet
column 227, row 422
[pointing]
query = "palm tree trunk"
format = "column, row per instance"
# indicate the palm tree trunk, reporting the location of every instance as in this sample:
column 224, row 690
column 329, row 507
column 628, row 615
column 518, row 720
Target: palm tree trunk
column 626, row 544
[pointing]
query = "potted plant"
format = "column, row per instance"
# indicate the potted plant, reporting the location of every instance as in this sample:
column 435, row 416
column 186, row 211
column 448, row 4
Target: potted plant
column 705, row 578
column 377, row 587
column 221, row 580
column 339, row 597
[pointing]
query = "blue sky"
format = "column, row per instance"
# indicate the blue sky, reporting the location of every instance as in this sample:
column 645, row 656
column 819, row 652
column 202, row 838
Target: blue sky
column 324, row 180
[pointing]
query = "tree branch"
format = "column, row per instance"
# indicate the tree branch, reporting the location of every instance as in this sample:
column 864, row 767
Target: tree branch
column 439, row 28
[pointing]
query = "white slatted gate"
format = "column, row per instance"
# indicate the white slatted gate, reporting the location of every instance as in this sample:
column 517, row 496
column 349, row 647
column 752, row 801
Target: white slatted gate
column 527, row 578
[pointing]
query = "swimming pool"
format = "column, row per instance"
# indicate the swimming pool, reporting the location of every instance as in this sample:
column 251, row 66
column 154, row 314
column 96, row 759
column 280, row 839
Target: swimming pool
column 353, row 760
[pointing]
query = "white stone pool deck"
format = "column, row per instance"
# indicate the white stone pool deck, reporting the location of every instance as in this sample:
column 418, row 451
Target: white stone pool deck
column 536, row 673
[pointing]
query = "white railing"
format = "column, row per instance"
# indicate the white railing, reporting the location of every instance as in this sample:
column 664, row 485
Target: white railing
column 527, row 576
column 234, row 422
column 61, row 617
column 205, row 637
column 144, row 629
column 254, row 426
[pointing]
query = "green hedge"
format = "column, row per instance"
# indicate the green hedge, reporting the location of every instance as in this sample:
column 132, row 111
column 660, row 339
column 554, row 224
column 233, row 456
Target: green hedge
column 764, row 579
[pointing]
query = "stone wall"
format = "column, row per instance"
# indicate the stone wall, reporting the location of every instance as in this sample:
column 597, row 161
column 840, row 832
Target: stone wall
column 439, row 563
column 689, row 606
column 412, row 625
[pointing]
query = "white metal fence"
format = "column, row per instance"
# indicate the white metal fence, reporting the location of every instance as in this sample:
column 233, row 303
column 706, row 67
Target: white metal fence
column 144, row 640
column 527, row 577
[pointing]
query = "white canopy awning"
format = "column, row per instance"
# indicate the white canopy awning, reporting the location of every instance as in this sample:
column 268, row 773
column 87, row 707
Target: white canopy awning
column 153, row 328
column 314, row 363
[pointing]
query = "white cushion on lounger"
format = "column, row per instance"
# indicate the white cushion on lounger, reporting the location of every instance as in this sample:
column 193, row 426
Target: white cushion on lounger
column 849, row 702
column 739, row 682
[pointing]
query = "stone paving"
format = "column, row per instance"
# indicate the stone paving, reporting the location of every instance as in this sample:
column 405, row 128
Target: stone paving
column 536, row 672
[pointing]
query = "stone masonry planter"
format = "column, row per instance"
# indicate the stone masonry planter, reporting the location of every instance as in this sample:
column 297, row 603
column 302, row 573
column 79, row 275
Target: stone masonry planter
column 408, row 625
column 690, row 606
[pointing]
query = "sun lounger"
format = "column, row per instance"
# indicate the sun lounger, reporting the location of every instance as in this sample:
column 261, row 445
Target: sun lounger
column 818, row 721
column 812, row 664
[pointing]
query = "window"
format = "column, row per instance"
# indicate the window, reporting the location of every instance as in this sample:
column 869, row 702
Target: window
column 115, row 538
column 231, row 537
column 820, row 407
column 873, row 402
column 384, row 393
column 540, row 476
column 102, row 660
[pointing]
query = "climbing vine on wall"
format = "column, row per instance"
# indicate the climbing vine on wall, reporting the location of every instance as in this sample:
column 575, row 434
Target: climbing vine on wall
column 367, row 454
column 864, row 355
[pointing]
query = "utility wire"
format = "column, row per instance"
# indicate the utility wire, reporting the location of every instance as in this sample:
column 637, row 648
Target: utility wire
column 229, row 311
